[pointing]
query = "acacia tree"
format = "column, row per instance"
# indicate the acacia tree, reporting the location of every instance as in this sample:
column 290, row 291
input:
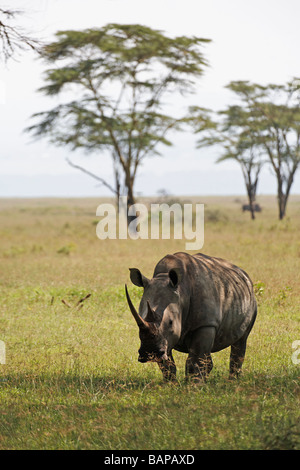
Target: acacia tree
column 119, row 75
column 233, row 130
column 245, row 154
column 274, row 113
column 266, row 125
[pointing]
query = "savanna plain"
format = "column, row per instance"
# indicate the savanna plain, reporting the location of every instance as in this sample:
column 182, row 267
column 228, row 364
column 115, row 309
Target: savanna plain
column 71, row 379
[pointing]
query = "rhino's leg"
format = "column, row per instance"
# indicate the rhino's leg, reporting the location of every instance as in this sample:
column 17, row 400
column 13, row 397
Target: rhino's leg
column 198, row 369
column 237, row 356
column 168, row 368
column 238, row 351
column 199, row 362
column 210, row 365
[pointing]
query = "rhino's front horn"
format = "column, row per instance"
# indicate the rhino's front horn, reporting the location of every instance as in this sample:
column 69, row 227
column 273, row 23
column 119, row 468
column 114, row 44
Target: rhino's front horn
column 140, row 322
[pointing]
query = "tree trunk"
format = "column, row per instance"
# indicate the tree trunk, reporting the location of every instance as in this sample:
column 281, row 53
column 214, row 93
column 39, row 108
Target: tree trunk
column 118, row 187
column 129, row 181
column 251, row 202
column 282, row 197
column 281, row 205
column 251, row 192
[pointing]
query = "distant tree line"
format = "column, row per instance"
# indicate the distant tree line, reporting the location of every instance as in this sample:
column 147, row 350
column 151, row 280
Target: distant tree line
column 120, row 75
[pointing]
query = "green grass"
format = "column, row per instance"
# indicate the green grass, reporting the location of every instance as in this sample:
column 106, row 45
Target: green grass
column 72, row 379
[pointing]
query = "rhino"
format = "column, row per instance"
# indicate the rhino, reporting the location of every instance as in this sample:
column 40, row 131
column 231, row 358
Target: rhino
column 247, row 207
column 195, row 304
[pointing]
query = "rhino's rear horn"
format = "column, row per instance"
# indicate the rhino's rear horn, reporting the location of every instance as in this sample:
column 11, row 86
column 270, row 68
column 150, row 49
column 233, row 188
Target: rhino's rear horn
column 151, row 317
column 140, row 322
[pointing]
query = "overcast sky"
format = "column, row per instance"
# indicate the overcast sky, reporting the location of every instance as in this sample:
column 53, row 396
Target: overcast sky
column 257, row 41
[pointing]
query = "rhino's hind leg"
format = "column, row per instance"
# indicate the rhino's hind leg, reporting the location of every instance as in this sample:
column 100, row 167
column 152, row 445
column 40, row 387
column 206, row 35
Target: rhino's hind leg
column 168, row 369
column 238, row 351
column 237, row 356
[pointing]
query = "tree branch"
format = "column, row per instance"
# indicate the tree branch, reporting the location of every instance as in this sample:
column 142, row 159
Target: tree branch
column 14, row 38
column 98, row 178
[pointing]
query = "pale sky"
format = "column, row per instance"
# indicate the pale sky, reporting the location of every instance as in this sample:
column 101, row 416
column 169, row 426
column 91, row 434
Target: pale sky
column 257, row 41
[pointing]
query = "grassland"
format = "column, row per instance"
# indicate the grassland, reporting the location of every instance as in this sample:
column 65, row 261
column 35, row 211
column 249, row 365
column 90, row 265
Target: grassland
column 71, row 378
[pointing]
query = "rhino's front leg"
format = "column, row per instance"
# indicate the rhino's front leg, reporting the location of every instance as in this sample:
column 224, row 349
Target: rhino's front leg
column 168, row 369
column 199, row 362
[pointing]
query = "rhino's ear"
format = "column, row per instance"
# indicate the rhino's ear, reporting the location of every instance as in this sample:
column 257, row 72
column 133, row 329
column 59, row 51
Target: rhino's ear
column 137, row 278
column 175, row 277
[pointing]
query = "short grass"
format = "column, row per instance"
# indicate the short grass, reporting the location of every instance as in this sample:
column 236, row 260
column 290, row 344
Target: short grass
column 72, row 379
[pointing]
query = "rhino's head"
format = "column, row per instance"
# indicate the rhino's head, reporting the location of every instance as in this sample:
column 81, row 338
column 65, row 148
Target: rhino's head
column 159, row 314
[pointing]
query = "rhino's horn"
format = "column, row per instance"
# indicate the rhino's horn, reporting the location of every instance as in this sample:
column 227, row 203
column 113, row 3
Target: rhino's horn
column 151, row 315
column 140, row 322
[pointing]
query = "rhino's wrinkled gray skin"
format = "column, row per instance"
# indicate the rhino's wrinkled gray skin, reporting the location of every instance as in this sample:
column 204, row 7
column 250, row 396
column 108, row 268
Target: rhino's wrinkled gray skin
column 195, row 304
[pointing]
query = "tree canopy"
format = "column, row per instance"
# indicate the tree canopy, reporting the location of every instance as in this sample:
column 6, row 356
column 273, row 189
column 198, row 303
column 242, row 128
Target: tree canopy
column 117, row 77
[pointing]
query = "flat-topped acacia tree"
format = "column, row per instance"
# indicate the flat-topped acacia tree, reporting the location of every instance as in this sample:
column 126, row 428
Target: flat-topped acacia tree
column 233, row 131
column 117, row 78
column 264, row 128
column 274, row 127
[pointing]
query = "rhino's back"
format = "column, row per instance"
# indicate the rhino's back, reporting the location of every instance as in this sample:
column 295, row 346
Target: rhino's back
column 225, row 296
column 220, row 295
